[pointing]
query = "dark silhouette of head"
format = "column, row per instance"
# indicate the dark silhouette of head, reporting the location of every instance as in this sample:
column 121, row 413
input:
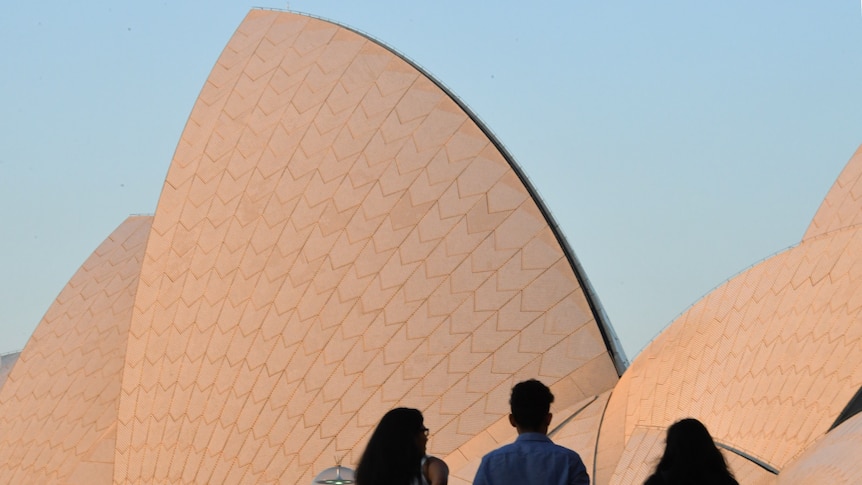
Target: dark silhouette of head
column 531, row 406
column 690, row 457
column 393, row 455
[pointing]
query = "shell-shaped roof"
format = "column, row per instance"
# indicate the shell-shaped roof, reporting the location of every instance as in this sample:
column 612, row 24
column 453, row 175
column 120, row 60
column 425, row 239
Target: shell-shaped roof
column 833, row 459
column 767, row 361
column 646, row 445
column 58, row 408
column 842, row 206
column 337, row 236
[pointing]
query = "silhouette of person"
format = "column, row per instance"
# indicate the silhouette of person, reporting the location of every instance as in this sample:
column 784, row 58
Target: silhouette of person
column 691, row 457
column 395, row 453
column 532, row 459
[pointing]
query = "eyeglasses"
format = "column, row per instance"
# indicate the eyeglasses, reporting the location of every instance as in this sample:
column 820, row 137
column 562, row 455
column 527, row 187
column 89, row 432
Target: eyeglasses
column 425, row 431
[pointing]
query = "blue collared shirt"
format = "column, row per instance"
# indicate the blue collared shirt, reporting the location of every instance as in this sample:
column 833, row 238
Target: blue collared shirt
column 533, row 459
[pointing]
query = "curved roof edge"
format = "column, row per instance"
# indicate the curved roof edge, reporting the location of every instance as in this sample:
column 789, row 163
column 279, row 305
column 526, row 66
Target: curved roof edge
column 743, row 270
column 833, row 209
column 612, row 342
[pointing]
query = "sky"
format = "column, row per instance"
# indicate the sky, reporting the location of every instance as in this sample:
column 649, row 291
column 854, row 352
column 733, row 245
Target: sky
column 675, row 143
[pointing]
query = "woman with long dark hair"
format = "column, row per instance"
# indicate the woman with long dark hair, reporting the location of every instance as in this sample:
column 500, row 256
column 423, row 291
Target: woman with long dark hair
column 395, row 454
column 691, row 458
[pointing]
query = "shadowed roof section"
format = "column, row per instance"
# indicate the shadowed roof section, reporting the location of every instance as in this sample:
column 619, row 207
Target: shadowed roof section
column 336, row 237
column 7, row 361
column 58, row 408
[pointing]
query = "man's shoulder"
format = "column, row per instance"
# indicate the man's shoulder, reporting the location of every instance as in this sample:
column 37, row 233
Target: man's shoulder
column 536, row 443
column 561, row 451
column 544, row 442
column 507, row 448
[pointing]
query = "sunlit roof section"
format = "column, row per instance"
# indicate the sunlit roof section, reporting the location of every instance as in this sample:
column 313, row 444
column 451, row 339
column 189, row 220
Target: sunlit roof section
column 842, row 206
column 58, row 408
column 769, row 360
column 337, row 236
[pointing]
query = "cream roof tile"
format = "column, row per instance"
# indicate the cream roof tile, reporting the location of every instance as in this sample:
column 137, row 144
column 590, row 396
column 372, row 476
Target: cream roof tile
column 336, row 236
column 841, row 207
column 781, row 379
column 64, row 387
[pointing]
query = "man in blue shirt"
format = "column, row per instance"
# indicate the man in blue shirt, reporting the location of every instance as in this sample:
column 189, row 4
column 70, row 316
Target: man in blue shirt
column 533, row 459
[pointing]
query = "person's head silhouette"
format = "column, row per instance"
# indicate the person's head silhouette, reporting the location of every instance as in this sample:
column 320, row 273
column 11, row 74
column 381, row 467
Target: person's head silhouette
column 690, row 457
column 531, row 407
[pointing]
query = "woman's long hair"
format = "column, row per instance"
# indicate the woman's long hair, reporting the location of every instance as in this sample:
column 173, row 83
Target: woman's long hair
column 392, row 456
column 690, row 457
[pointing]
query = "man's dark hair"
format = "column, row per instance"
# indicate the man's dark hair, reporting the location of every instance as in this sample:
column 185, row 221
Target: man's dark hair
column 530, row 402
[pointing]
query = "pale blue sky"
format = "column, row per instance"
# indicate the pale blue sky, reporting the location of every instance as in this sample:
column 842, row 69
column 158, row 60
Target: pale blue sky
column 676, row 143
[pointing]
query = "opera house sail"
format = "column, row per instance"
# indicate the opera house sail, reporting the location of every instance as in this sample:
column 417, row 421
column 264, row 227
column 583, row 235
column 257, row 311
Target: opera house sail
column 769, row 361
column 338, row 235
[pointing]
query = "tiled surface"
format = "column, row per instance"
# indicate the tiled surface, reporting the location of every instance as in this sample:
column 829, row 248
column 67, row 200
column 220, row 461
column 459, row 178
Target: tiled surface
column 646, row 445
column 336, row 237
column 574, row 426
column 833, row 459
column 58, row 408
column 768, row 360
column 579, row 428
column 642, row 452
column 842, row 206
column 612, row 438
column 748, row 472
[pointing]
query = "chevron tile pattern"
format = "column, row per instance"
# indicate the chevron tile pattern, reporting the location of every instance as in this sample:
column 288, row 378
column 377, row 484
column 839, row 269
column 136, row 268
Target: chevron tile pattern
column 337, row 237
column 646, row 446
column 833, row 459
column 575, row 426
column 58, row 408
column 578, row 428
column 768, row 360
column 842, row 206
column 747, row 472
column 642, row 452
